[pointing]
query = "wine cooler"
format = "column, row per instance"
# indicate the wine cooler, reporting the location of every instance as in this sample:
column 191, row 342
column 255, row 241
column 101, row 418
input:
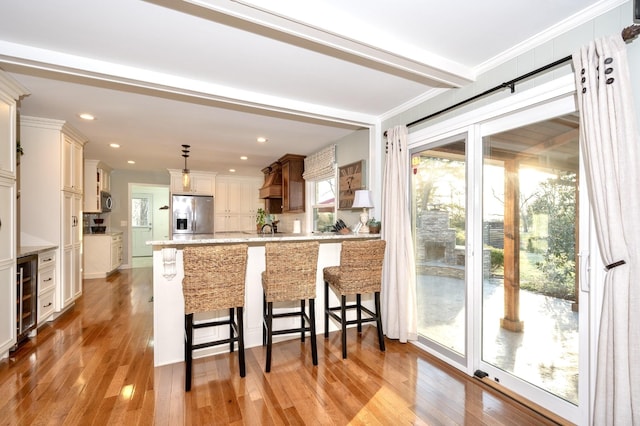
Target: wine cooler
column 27, row 290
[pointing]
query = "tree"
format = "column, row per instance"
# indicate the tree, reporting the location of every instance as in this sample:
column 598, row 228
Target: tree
column 557, row 200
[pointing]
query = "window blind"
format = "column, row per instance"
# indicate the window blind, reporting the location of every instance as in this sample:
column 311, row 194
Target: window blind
column 320, row 165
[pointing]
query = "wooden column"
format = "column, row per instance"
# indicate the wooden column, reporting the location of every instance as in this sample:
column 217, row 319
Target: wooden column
column 511, row 320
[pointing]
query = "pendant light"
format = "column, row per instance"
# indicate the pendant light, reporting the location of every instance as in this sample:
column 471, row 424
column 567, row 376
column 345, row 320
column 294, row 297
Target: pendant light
column 186, row 178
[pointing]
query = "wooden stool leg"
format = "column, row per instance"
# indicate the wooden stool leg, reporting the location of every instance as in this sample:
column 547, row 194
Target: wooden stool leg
column 302, row 324
column 241, row 341
column 379, row 322
column 343, row 323
column 312, row 326
column 326, row 310
column 359, row 311
column 188, row 350
column 269, row 335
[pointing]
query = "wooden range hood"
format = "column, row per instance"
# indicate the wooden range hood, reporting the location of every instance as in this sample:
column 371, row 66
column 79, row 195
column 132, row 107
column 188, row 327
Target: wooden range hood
column 272, row 187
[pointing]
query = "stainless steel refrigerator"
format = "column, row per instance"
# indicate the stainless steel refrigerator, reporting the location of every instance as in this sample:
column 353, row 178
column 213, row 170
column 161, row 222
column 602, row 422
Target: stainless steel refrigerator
column 192, row 214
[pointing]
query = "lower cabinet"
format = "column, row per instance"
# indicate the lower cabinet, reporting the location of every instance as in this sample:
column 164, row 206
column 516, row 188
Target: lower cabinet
column 102, row 254
column 46, row 285
column 7, row 307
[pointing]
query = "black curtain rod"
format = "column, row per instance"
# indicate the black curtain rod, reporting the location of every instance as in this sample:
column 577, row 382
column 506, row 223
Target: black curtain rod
column 628, row 35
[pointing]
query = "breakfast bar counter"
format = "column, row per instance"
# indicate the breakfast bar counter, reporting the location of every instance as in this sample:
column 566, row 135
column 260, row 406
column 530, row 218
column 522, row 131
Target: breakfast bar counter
column 168, row 310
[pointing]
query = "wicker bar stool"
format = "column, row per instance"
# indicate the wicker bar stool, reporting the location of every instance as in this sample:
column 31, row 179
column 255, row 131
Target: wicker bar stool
column 360, row 272
column 290, row 274
column 214, row 279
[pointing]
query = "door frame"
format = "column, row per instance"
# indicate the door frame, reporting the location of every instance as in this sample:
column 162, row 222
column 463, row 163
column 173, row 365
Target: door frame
column 135, row 187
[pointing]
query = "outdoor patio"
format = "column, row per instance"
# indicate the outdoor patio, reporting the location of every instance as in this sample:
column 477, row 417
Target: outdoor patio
column 545, row 353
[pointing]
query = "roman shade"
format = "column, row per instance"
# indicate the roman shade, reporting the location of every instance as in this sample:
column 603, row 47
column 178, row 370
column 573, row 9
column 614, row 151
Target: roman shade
column 321, row 165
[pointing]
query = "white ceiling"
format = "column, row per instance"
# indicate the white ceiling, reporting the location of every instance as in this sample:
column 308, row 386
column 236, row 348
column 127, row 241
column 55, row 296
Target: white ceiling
column 216, row 74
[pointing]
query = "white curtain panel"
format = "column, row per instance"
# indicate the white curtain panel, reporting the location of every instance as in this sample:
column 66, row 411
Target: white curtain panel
column 398, row 296
column 609, row 142
column 320, row 165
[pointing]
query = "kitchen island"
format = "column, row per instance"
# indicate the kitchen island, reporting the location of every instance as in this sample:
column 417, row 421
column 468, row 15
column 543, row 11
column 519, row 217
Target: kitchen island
column 168, row 309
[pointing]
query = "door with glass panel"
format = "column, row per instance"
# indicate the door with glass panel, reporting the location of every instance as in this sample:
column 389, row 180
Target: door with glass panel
column 497, row 230
column 141, row 226
column 439, row 216
column 531, row 228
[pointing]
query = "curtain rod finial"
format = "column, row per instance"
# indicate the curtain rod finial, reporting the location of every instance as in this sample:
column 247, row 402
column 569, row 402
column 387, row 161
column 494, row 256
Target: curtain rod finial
column 630, row 33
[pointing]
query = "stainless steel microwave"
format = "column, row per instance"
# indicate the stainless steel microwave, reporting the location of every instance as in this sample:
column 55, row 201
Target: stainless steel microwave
column 105, row 201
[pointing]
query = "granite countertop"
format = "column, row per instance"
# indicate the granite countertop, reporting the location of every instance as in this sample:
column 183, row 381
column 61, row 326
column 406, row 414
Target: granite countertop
column 29, row 250
column 255, row 238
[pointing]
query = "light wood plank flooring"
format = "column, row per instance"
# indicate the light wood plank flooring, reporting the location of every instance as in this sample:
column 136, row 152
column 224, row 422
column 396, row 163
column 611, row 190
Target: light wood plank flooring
column 94, row 365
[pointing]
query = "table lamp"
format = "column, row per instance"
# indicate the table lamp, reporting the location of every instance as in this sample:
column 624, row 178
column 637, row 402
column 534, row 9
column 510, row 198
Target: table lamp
column 362, row 200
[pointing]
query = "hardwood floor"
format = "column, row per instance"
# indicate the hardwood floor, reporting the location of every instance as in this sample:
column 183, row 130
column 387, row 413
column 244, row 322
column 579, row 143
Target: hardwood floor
column 94, row 365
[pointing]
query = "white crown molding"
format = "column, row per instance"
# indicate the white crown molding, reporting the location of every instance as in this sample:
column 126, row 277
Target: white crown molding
column 12, row 87
column 429, row 94
column 574, row 21
column 549, row 34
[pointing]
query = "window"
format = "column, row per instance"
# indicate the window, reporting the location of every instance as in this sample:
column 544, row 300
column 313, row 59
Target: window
column 140, row 211
column 324, row 204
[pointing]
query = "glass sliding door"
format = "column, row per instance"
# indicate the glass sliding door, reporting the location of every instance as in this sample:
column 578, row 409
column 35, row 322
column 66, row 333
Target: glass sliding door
column 530, row 227
column 439, row 215
column 497, row 227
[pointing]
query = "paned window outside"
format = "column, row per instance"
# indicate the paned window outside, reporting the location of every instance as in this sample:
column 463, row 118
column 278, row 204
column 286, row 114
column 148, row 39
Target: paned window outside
column 324, row 205
column 140, row 212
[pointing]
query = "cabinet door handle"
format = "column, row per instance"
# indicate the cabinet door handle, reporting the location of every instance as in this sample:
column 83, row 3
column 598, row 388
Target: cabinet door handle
column 47, row 305
column 48, row 279
column 49, row 259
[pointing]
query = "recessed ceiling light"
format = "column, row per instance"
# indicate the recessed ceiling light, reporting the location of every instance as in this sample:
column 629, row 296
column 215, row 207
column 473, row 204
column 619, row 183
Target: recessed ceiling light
column 244, row 157
column 87, row 116
column 114, row 145
column 261, row 139
column 131, row 162
column 232, row 170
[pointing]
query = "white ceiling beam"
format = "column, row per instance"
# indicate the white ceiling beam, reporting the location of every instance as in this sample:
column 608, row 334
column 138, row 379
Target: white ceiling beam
column 439, row 72
column 64, row 63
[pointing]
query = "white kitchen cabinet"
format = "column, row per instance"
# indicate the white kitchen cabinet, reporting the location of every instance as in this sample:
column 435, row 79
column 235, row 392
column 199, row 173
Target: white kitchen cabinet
column 10, row 91
column 72, row 248
column 97, row 178
column 202, row 183
column 236, row 203
column 51, row 199
column 102, row 254
column 7, row 266
column 116, row 251
column 46, row 285
column 72, row 164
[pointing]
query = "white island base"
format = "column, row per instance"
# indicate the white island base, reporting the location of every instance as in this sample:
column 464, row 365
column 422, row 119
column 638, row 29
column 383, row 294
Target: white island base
column 168, row 310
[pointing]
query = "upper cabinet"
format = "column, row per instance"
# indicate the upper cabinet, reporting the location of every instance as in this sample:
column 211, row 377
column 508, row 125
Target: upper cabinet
column 202, row 183
column 10, row 91
column 292, row 183
column 283, row 188
column 72, row 162
column 97, row 178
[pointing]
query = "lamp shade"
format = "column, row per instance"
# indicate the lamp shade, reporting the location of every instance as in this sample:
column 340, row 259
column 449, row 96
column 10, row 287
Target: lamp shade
column 362, row 199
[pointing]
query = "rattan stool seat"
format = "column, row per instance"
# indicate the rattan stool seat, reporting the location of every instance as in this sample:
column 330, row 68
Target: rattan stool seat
column 214, row 279
column 360, row 272
column 290, row 275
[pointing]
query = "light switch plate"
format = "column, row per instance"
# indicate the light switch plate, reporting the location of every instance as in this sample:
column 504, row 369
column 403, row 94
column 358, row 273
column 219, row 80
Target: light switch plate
column 123, row 223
